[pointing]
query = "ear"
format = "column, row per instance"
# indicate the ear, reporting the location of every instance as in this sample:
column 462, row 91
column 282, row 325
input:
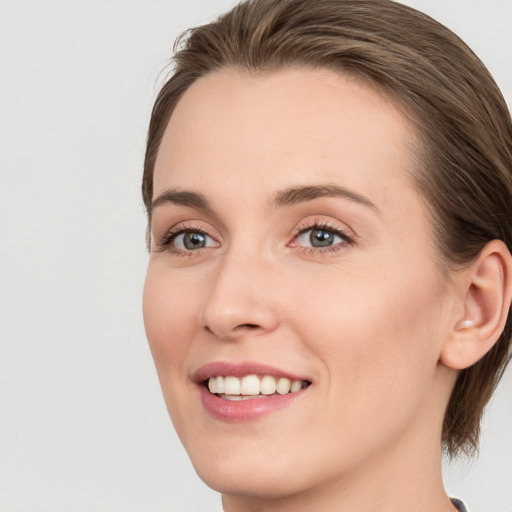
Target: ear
column 486, row 292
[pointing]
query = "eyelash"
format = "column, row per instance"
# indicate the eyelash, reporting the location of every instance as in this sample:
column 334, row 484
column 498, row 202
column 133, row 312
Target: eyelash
column 172, row 234
column 324, row 226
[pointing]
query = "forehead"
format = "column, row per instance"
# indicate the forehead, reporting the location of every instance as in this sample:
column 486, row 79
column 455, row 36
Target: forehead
column 284, row 128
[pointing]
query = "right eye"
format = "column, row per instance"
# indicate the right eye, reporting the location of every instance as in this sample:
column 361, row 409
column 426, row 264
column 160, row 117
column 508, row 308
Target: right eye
column 191, row 240
column 184, row 240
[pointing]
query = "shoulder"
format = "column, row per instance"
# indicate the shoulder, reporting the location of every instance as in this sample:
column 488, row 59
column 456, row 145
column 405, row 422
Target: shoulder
column 459, row 505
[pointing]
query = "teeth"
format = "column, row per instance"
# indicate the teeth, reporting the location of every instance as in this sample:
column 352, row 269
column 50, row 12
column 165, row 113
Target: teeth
column 296, row 385
column 283, row 385
column 219, row 385
column 231, row 385
column 268, row 385
column 233, row 388
column 250, row 385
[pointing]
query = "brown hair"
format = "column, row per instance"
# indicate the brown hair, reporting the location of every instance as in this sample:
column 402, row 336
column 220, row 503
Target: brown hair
column 465, row 171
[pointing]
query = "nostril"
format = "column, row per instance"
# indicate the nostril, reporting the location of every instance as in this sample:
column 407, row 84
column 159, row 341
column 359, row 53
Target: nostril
column 241, row 327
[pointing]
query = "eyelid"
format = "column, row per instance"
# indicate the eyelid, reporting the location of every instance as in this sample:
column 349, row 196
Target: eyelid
column 176, row 230
column 346, row 234
column 328, row 225
column 179, row 244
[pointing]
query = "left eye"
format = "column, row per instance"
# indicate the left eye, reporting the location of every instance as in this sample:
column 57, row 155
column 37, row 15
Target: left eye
column 318, row 237
column 192, row 240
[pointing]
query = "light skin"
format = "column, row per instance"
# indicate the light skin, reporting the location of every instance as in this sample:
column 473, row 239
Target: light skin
column 259, row 166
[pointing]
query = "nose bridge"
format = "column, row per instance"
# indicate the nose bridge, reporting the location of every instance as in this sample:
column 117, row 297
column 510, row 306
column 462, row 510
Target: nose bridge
column 241, row 298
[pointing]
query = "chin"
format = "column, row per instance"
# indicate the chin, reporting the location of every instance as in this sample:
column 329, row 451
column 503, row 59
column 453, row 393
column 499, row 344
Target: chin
column 250, row 482
column 246, row 475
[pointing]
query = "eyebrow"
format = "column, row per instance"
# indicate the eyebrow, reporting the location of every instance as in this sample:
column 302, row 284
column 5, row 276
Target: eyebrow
column 286, row 197
column 294, row 195
column 180, row 198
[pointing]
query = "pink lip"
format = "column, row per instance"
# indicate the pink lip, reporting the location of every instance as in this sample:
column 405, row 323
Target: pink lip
column 243, row 410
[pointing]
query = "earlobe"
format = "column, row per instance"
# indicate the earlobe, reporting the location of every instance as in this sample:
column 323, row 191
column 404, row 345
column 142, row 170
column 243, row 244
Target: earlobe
column 487, row 293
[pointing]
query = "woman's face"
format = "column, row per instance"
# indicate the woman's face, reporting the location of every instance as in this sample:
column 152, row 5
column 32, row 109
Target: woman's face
column 289, row 243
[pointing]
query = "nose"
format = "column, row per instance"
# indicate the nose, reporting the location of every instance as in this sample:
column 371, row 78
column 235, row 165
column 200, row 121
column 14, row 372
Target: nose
column 242, row 300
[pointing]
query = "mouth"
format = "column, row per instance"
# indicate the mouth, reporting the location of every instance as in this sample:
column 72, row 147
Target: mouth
column 247, row 391
column 252, row 387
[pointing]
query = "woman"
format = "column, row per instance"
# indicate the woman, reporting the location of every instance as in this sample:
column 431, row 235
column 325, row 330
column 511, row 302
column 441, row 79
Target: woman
column 329, row 196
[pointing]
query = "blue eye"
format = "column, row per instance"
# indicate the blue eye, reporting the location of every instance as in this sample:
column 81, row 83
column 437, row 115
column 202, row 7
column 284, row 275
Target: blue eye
column 192, row 240
column 319, row 237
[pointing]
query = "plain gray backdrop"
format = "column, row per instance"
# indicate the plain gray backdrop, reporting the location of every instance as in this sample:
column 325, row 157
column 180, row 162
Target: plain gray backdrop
column 83, row 426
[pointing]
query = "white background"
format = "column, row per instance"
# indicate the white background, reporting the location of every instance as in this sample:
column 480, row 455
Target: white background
column 83, row 427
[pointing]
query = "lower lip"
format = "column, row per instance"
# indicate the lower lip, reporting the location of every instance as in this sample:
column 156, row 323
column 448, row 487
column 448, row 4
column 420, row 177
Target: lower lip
column 245, row 410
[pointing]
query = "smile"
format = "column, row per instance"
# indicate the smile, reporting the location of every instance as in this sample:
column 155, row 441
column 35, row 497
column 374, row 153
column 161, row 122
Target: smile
column 247, row 391
column 251, row 386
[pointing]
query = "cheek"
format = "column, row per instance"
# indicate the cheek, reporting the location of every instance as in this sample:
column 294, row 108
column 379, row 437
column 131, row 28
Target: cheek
column 167, row 320
column 375, row 337
column 169, row 330
column 375, row 342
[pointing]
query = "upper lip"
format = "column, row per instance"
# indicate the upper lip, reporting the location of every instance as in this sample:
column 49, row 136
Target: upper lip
column 225, row 368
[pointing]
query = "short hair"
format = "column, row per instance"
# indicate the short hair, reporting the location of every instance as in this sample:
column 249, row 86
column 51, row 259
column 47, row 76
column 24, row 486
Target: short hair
column 464, row 162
